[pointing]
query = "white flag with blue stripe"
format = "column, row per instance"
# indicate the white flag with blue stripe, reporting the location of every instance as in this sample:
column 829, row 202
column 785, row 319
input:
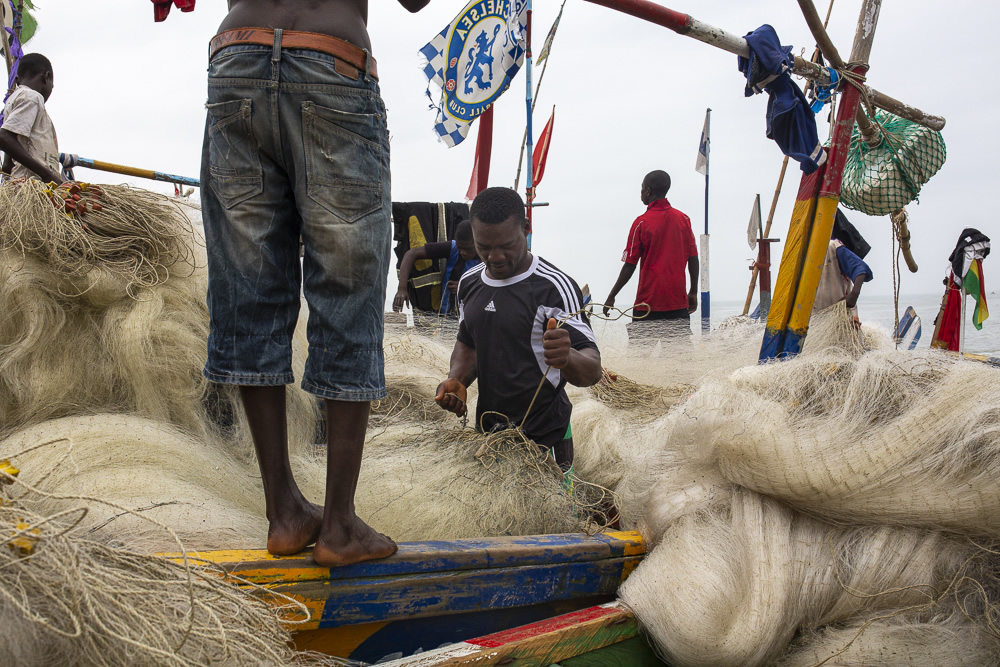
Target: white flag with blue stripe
column 701, row 164
column 473, row 61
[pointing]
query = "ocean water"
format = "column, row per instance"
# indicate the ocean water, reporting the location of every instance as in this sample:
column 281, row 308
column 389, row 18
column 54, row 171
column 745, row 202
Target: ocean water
column 878, row 309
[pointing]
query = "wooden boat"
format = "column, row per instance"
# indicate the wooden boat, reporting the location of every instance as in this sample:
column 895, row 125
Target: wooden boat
column 445, row 592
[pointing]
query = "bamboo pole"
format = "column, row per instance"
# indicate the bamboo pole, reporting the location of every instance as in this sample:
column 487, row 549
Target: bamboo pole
column 868, row 130
column 8, row 161
column 136, row 171
column 767, row 232
column 688, row 26
column 534, row 102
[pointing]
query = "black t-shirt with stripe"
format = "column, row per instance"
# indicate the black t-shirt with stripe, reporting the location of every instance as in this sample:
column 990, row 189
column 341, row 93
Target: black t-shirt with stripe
column 504, row 321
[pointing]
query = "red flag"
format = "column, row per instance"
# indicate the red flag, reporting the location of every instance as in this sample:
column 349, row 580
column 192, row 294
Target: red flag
column 484, row 148
column 542, row 151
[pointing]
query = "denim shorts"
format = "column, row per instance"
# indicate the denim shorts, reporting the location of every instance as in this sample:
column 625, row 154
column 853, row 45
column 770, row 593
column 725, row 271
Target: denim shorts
column 293, row 149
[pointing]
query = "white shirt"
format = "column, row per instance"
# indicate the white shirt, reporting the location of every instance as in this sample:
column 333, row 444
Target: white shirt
column 25, row 116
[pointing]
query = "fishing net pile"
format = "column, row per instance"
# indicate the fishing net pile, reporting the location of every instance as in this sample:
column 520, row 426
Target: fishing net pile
column 69, row 599
column 843, row 502
column 101, row 351
column 428, row 476
column 837, row 508
column 111, row 318
column 880, row 179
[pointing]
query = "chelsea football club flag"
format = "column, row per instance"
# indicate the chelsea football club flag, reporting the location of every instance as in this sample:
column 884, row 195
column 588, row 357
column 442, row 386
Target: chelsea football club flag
column 473, row 61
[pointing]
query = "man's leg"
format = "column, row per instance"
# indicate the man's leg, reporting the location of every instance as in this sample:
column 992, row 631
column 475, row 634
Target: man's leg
column 294, row 521
column 344, row 537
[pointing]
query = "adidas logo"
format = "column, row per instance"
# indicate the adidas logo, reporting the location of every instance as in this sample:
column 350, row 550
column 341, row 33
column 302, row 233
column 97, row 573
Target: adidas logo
column 490, row 308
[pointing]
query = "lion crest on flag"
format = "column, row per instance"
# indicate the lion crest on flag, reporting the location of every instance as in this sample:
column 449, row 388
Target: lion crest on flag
column 473, row 61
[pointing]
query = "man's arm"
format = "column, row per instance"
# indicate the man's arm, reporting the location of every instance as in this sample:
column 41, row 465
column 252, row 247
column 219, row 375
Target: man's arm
column 405, row 269
column 12, row 147
column 852, row 296
column 451, row 394
column 693, row 292
column 623, row 277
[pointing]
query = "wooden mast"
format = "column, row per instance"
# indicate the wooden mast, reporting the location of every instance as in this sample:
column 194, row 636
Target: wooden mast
column 688, row 26
column 814, row 213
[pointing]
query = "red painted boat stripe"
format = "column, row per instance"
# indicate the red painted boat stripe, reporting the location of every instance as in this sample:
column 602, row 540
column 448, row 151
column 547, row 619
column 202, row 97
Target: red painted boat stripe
column 498, row 639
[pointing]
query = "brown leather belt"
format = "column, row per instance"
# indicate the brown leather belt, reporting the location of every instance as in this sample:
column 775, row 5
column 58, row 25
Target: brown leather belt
column 350, row 59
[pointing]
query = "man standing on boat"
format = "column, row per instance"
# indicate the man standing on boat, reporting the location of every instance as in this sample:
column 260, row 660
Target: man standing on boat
column 509, row 335
column 296, row 144
column 662, row 243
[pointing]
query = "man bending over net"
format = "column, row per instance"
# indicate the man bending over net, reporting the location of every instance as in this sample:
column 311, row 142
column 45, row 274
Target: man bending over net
column 509, row 333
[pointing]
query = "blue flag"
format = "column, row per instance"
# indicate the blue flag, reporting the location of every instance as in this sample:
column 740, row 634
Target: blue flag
column 473, row 61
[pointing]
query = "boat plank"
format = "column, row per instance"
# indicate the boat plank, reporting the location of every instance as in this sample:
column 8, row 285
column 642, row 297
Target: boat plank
column 541, row 643
column 260, row 567
column 345, row 602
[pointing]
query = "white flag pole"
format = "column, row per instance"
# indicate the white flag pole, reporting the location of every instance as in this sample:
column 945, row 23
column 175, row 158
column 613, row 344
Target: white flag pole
column 706, row 310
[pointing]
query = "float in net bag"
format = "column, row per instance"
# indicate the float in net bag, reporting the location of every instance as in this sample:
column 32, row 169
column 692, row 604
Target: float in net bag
column 881, row 179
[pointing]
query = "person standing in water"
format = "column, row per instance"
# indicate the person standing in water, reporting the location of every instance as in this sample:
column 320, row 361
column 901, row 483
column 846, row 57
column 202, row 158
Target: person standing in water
column 296, row 144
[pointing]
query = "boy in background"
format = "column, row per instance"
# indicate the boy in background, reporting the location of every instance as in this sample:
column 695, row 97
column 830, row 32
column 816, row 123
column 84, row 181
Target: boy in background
column 461, row 255
column 27, row 134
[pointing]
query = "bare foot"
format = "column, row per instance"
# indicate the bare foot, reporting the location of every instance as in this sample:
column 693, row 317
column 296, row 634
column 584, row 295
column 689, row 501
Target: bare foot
column 295, row 531
column 351, row 543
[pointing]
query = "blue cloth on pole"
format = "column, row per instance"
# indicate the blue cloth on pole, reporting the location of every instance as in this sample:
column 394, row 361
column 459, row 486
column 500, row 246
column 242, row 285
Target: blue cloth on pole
column 790, row 121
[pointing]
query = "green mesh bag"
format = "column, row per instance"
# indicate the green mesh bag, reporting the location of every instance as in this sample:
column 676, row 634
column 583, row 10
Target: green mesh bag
column 889, row 176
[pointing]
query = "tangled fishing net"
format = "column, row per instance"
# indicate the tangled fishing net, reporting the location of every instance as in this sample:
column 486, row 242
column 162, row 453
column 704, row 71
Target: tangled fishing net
column 617, row 391
column 436, row 483
column 878, row 180
column 68, row 599
column 134, row 235
column 837, row 508
column 92, row 340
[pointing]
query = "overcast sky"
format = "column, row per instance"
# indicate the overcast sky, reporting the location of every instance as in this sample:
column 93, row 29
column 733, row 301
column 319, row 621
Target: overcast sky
column 630, row 98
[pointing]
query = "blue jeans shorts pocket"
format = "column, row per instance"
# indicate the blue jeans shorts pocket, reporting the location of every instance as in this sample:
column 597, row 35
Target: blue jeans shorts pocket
column 343, row 168
column 234, row 163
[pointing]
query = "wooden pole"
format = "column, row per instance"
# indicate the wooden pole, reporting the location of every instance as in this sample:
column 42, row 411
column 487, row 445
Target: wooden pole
column 8, row 57
column 534, row 101
column 869, row 132
column 136, row 171
column 829, row 189
column 767, row 232
column 524, row 139
column 688, row 26
column 530, row 181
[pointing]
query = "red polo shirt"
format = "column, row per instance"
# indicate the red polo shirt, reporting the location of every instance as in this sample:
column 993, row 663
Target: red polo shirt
column 661, row 241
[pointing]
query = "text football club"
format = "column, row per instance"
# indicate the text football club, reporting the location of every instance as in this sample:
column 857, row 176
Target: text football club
column 481, row 49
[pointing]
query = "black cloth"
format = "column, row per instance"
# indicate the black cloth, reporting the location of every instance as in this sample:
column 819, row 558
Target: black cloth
column 849, row 235
column 427, row 214
column 965, row 239
column 504, row 320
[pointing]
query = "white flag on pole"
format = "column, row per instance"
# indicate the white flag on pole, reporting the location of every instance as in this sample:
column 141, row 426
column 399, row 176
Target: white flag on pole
column 753, row 229
column 701, row 165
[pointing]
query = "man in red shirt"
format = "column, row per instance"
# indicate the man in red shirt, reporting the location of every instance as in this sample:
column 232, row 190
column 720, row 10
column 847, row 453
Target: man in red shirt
column 662, row 240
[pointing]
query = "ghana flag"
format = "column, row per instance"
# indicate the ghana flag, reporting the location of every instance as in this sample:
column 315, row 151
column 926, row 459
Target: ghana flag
column 976, row 288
